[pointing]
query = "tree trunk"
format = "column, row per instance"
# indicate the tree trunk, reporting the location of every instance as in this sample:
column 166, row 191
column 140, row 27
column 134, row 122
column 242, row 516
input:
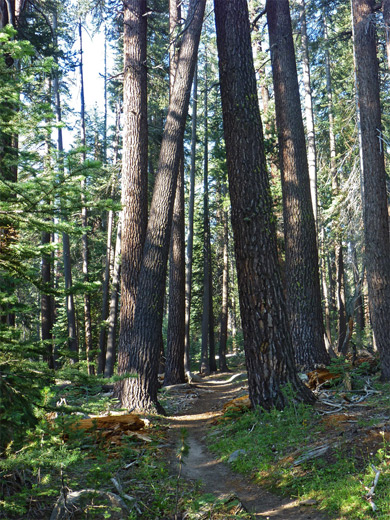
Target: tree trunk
column 303, row 287
column 113, row 307
column 190, row 235
column 70, row 307
column 204, row 362
column 338, row 250
column 268, row 348
column 103, row 336
column 142, row 352
column 84, row 223
column 225, row 291
column 47, row 303
column 134, row 170
column 174, row 365
column 375, row 211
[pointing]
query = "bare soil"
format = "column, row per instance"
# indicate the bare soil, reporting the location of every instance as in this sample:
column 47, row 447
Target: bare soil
column 203, row 403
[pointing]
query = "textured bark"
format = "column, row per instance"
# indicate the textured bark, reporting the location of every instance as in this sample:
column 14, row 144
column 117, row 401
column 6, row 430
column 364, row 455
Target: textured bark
column 142, row 352
column 302, row 273
column 134, row 169
column 190, row 235
column 174, row 364
column 267, row 341
column 375, row 213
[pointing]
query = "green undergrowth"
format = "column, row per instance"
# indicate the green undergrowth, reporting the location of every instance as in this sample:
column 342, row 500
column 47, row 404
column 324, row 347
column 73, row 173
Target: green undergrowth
column 268, row 445
column 56, row 458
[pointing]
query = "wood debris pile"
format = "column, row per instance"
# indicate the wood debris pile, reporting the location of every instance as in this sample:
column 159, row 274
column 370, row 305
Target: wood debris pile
column 239, row 404
column 110, row 429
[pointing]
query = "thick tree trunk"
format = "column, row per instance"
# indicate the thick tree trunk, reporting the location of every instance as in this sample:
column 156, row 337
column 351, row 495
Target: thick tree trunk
column 190, row 234
column 375, row 211
column 134, row 171
column 268, row 348
column 142, row 352
column 302, row 273
column 174, row 364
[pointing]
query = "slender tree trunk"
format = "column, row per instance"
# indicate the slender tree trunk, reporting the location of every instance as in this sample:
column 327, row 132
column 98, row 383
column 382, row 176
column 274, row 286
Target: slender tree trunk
column 113, row 307
column 190, row 235
column 109, row 256
column 134, row 172
column 212, row 360
column 339, row 257
column 358, row 282
column 325, row 290
column 142, row 352
column 174, row 365
column 47, row 303
column 225, row 291
column 84, row 223
column 268, row 348
column 375, row 211
column 70, row 307
column 303, row 286
column 204, row 362
column 233, row 306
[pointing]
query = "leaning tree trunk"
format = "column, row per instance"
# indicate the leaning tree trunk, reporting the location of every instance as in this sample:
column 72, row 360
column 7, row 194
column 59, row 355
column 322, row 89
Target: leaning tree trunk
column 302, row 273
column 134, row 171
column 375, row 210
column 267, row 341
column 142, row 352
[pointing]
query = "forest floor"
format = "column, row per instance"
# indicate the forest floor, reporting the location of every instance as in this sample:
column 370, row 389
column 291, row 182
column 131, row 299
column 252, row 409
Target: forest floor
column 203, row 403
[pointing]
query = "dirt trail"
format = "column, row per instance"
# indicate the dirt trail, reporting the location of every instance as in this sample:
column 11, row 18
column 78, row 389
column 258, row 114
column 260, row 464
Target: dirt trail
column 208, row 398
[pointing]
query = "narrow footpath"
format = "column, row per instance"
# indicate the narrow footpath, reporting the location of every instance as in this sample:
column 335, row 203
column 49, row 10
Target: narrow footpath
column 206, row 400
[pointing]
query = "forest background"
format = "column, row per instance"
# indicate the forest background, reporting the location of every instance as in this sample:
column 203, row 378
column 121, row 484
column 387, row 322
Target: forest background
column 61, row 224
